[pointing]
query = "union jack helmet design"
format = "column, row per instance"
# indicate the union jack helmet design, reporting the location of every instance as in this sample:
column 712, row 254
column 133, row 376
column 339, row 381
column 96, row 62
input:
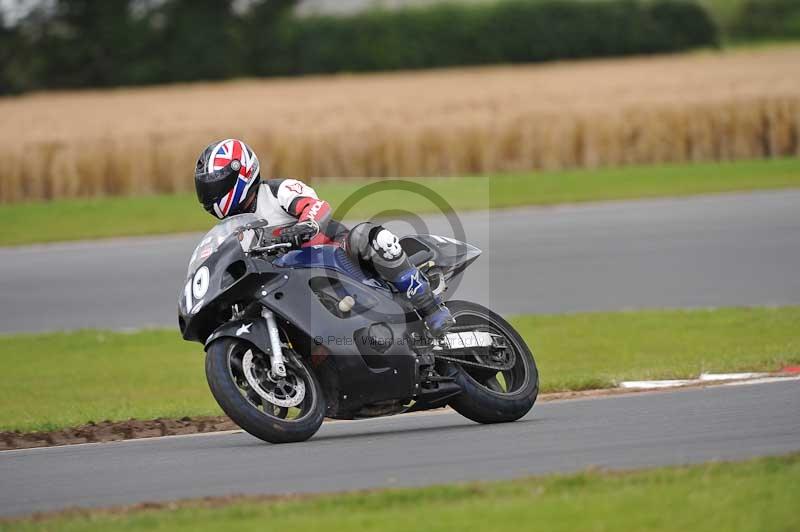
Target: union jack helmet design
column 226, row 172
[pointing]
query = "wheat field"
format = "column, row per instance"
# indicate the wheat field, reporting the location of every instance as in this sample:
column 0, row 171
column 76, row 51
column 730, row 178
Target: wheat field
column 702, row 106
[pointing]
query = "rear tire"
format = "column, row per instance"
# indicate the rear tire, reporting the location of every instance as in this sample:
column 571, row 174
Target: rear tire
column 484, row 400
column 275, row 427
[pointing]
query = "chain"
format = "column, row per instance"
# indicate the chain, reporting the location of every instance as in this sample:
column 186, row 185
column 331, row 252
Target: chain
column 498, row 367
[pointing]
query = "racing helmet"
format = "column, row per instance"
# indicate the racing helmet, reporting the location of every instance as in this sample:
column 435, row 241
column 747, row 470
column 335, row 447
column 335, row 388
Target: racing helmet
column 226, row 175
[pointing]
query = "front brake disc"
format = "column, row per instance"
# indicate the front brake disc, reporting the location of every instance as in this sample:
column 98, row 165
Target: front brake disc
column 293, row 393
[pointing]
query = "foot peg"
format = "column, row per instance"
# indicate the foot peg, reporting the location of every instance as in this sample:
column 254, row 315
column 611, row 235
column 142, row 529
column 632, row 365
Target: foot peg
column 440, row 321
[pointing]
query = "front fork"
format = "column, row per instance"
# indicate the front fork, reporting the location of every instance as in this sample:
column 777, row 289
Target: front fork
column 276, row 359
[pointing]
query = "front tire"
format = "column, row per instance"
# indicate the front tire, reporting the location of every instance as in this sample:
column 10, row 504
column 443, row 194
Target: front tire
column 485, row 399
column 227, row 360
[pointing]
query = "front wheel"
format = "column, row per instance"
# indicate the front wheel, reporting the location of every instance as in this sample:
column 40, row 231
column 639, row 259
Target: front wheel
column 277, row 410
column 492, row 395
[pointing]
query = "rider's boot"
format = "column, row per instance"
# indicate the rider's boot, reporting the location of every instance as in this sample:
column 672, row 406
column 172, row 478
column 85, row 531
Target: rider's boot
column 415, row 286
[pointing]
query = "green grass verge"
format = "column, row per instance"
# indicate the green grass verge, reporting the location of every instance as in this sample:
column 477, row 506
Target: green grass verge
column 108, row 217
column 597, row 350
column 755, row 495
column 50, row 381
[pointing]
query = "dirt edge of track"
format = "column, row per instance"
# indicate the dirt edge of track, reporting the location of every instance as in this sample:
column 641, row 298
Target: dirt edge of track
column 107, row 431
column 133, row 429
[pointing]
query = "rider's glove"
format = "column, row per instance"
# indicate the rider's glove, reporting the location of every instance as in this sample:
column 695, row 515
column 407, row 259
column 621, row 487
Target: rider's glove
column 299, row 233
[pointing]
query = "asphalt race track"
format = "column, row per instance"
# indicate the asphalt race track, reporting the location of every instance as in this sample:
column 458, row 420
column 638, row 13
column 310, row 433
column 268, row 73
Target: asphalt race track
column 637, row 430
column 707, row 251
column 735, row 249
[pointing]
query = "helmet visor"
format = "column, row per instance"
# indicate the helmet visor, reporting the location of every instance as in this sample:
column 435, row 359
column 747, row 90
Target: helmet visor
column 213, row 186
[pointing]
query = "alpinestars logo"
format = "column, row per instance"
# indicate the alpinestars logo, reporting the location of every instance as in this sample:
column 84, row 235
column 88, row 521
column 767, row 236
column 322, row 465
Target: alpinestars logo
column 297, row 188
column 414, row 285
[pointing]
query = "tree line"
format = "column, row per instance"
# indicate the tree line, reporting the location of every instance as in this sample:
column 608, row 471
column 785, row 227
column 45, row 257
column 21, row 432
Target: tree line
column 106, row 43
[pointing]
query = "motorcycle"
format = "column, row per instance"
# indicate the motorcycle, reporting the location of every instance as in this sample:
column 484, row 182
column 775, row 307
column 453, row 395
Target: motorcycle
column 294, row 335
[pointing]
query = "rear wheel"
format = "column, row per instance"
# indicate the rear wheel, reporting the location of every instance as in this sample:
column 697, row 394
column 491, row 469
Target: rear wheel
column 492, row 395
column 277, row 410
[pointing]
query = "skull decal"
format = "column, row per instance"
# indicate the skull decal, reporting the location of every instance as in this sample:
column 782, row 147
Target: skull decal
column 387, row 244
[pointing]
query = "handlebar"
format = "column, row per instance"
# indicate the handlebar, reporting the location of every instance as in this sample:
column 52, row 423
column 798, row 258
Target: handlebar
column 290, row 237
column 271, row 247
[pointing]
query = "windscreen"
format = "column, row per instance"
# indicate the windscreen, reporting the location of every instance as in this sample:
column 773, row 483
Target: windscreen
column 212, row 240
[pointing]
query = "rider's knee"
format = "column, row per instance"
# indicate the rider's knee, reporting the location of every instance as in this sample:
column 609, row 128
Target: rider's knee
column 373, row 242
column 385, row 246
column 358, row 240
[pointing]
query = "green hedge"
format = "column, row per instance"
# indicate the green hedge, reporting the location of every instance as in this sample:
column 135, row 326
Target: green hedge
column 511, row 31
column 767, row 19
column 89, row 43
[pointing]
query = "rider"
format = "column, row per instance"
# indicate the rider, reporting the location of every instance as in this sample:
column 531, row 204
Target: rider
column 228, row 182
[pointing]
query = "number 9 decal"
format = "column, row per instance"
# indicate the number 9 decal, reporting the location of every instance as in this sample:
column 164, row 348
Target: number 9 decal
column 197, row 287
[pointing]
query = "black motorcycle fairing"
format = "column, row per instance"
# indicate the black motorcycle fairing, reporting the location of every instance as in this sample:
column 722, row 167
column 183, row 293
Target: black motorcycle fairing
column 449, row 254
column 230, row 276
column 313, row 328
column 307, row 323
